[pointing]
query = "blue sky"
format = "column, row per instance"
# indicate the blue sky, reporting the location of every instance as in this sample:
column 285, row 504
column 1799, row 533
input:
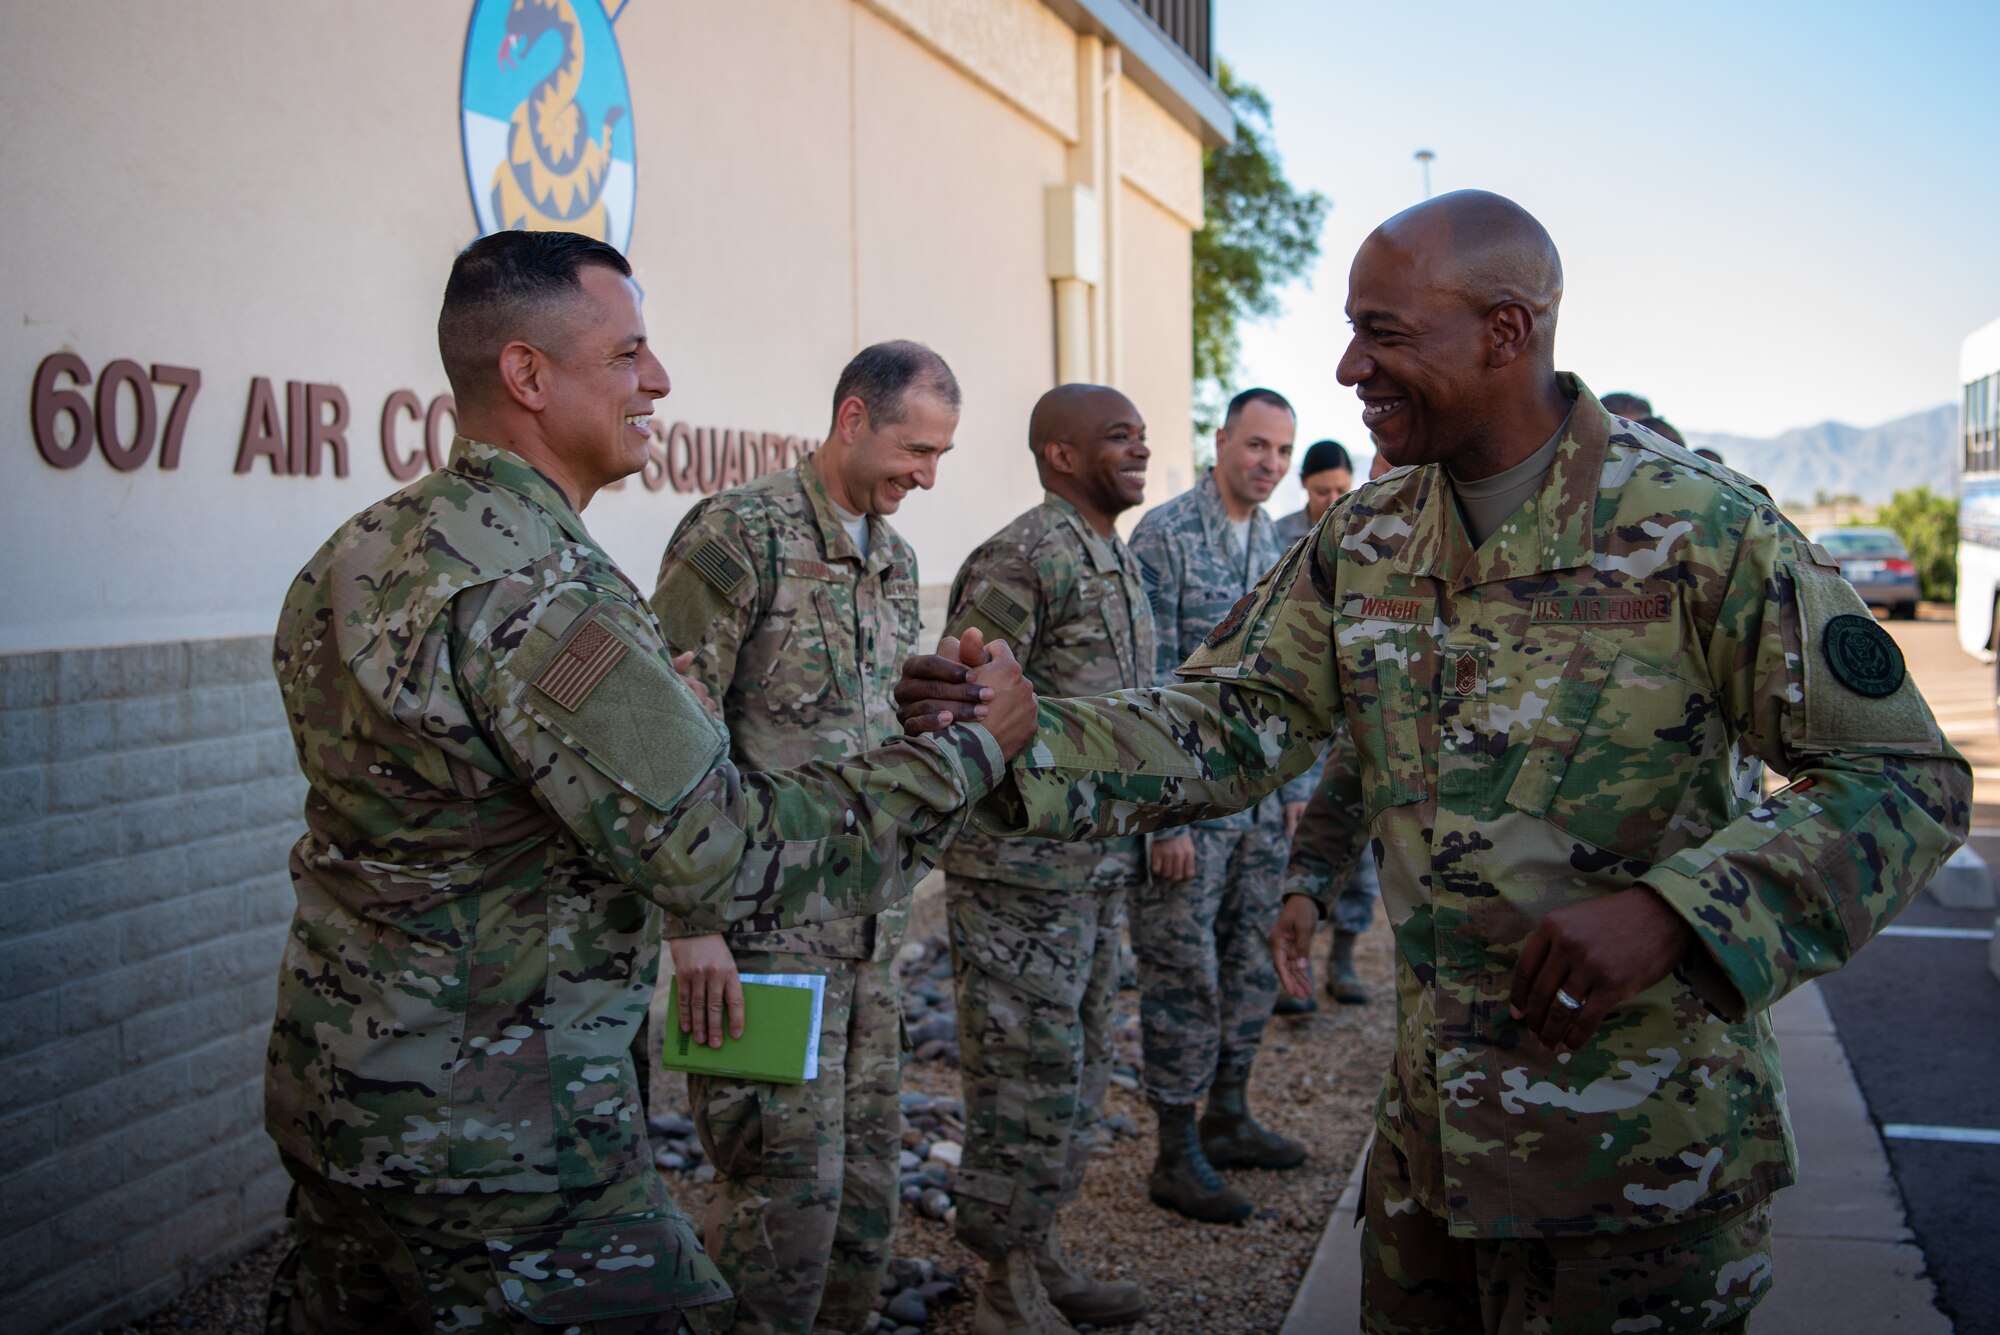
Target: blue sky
column 1771, row 212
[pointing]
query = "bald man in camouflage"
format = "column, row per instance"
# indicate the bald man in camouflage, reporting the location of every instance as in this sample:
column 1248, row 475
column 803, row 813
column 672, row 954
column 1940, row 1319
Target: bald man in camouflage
column 1552, row 635
column 1035, row 924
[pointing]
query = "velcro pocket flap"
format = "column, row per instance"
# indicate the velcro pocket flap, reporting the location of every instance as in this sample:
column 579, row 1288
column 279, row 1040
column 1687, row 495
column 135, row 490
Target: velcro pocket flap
column 638, row 723
column 1562, row 725
column 1049, row 964
column 627, row 1265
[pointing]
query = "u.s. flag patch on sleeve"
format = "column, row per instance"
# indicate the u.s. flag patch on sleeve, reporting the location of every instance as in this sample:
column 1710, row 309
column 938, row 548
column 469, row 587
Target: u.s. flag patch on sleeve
column 583, row 660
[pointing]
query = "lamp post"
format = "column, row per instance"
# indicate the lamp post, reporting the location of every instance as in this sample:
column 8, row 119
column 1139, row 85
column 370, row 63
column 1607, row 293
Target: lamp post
column 1426, row 157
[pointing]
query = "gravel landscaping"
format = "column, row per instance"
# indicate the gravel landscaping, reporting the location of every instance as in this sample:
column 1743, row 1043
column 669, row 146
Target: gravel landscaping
column 1316, row 1082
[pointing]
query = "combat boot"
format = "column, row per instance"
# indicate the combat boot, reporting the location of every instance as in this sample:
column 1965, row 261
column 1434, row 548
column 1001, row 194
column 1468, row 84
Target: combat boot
column 1231, row 1137
column 1343, row 984
column 1287, row 1004
column 1079, row 1296
column 1183, row 1180
column 1012, row 1300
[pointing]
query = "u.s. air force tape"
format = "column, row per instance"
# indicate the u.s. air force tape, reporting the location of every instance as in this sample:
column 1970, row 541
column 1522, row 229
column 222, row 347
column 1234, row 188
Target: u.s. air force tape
column 1862, row 655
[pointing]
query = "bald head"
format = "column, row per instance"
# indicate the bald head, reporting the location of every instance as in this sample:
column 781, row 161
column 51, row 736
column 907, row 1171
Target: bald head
column 1090, row 448
column 1454, row 306
column 1072, row 412
column 1486, row 250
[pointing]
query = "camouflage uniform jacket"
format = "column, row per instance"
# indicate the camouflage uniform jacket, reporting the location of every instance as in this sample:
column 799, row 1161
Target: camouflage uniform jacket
column 1333, row 831
column 1193, row 576
column 802, row 639
column 1552, row 717
column 507, row 782
column 1072, row 607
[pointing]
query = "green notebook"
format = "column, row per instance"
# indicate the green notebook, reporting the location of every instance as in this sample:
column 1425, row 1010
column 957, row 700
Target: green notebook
column 777, row 1026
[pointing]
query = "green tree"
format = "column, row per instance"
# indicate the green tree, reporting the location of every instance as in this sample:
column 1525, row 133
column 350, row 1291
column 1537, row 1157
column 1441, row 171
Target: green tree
column 1928, row 525
column 1260, row 234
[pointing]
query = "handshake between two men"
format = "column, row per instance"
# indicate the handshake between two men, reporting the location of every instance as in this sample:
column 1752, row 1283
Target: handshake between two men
column 1611, row 948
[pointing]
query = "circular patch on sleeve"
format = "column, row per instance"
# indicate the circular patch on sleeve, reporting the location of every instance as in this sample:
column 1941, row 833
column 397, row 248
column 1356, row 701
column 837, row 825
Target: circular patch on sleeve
column 1230, row 623
column 1863, row 655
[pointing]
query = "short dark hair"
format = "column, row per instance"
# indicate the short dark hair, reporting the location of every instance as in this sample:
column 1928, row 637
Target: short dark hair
column 1324, row 456
column 1660, row 426
column 882, row 375
column 1636, row 407
column 498, row 285
column 1259, row 395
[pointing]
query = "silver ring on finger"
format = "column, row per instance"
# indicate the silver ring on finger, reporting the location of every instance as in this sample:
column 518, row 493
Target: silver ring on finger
column 1567, row 1002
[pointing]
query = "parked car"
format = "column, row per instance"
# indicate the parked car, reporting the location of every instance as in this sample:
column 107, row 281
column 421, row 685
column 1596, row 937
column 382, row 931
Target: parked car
column 1878, row 566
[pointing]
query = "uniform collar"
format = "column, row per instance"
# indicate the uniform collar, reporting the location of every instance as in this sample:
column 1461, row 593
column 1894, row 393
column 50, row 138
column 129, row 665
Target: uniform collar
column 1561, row 516
column 1215, row 515
column 1103, row 551
column 833, row 539
column 501, row 467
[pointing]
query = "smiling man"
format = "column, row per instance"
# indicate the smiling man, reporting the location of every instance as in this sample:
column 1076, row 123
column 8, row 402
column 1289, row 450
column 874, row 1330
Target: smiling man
column 799, row 602
column 1205, row 978
column 1584, row 1119
column 508, row 784
column 1034, row 923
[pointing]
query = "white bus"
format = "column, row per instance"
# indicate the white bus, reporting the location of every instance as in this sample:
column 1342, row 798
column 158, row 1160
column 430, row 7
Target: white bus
column 1979, row 492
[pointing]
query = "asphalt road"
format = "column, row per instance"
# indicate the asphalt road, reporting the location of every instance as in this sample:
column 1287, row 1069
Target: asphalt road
column 1920, row 1017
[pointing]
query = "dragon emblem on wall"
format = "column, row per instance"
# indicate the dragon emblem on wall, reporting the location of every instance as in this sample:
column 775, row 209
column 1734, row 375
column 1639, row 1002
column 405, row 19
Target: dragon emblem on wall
column 546, row 119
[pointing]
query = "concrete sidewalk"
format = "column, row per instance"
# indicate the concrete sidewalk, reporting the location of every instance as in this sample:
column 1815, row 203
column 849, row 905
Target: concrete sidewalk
column 1845, row 1260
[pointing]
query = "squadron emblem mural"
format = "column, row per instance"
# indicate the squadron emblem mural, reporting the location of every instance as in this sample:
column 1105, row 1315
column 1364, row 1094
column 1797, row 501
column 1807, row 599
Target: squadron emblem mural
column 546, row 117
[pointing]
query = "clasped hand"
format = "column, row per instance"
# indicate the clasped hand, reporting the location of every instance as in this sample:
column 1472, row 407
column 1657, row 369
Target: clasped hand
column 967, row 681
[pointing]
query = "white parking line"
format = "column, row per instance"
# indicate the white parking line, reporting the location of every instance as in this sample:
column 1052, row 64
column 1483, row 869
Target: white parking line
column 1955, row 1135
column 1939, row 933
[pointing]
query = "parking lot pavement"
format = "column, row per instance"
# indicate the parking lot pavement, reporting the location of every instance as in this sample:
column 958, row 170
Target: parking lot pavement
column 1919, row 1017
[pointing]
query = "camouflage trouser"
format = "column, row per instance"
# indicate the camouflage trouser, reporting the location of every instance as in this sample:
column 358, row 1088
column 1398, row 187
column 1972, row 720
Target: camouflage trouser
column 614, row 1259
column 1354, row 907
column 1206, row 982
column 1416, row 1279
column 1037, row 975
column 802, row 1220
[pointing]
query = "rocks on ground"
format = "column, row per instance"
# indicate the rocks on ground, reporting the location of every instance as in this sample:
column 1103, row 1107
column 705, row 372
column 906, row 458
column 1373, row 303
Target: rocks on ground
column 1315, row 1081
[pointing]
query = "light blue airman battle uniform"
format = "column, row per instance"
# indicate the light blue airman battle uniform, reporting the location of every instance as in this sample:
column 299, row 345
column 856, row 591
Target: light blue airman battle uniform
column 1205, row 976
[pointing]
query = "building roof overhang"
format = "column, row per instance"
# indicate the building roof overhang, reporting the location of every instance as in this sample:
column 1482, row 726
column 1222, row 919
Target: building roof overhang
column 1157, row 65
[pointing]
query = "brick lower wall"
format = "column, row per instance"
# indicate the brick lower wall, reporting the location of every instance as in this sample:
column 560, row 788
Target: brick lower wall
column 149, row 795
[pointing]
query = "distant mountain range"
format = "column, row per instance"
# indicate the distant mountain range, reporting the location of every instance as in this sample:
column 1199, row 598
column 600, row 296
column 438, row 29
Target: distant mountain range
column 1834, row 459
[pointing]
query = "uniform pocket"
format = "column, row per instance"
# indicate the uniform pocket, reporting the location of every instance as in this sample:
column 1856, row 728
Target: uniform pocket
column 799, row 678
column 604, row 1269
column 851, row 883
column 909, row 621
column 1383, row 665
column 1699, row 1276
column 1616, row 748
column 704, row 849
column 1046, row 963
column 753, row 1129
